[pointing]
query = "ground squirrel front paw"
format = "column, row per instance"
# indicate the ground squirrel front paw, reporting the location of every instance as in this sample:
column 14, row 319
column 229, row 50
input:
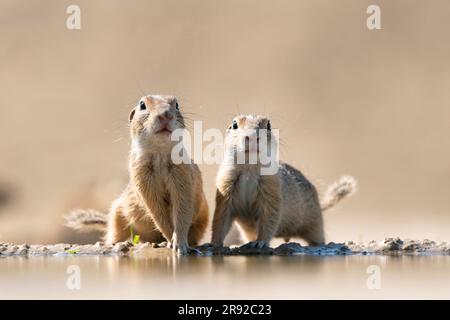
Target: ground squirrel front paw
column 182, row 247
column 185, row 250
column 258, row 244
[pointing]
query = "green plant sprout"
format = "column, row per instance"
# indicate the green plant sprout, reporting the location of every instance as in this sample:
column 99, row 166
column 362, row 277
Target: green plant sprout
column 72, row 251
column 134, row 237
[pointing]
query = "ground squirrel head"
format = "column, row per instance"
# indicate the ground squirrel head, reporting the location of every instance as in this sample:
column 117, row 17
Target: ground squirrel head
column 247, row 133
column 154, row 119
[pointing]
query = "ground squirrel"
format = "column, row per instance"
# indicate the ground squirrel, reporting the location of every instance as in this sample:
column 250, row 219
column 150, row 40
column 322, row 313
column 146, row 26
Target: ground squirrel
column 163, row 200
column 283, row 204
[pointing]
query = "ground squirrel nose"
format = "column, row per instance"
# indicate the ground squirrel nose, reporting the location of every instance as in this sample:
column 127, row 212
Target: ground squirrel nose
column 165, row 117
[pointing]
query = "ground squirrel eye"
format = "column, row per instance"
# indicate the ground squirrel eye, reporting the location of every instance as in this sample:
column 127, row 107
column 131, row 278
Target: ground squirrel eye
column 269, row 127
column 235, row 125
column 177, row 106
column 142, row 105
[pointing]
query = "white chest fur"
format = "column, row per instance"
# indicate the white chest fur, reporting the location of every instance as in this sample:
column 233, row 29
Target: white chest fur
column 247, row 188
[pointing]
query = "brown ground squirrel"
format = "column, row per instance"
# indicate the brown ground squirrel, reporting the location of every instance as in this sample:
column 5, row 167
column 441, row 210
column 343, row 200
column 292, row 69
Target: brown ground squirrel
column 163, row 200
column 284, row 204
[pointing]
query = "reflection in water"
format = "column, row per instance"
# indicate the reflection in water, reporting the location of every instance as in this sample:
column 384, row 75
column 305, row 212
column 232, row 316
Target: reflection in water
column 160, row 275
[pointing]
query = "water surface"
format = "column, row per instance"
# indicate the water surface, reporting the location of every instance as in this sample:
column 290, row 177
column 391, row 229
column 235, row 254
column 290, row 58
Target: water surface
column 162, row 276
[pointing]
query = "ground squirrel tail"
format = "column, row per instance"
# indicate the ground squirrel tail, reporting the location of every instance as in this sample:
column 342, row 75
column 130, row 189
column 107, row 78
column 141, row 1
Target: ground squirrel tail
column 342, row 188
column 86, row 220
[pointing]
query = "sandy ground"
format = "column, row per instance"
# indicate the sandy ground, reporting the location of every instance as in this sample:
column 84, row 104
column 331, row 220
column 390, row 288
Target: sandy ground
column 387, row 247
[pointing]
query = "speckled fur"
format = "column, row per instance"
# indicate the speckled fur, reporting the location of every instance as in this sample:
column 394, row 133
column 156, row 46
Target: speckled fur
column 285, row 204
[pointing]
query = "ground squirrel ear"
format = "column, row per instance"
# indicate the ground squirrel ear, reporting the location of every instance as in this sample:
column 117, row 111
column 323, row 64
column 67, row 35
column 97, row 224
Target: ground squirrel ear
column 130, row 117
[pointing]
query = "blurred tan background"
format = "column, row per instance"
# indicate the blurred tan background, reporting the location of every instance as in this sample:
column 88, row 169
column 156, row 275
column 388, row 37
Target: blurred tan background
column 374, row 104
